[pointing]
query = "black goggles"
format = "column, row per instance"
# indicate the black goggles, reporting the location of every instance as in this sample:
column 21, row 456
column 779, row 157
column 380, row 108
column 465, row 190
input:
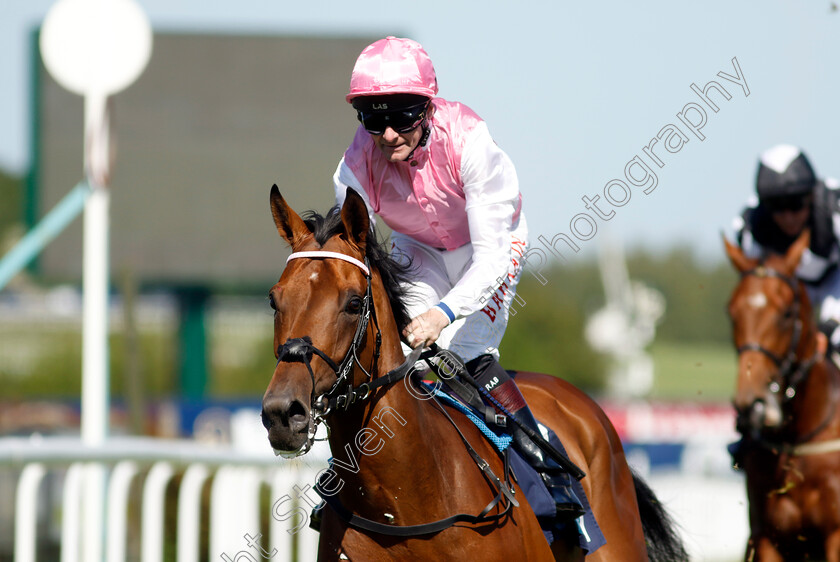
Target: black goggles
column 401, row 120
column 788, row 203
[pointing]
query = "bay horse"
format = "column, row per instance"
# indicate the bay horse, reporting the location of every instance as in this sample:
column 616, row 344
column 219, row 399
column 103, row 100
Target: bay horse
column 400, row 464
column 786, row 405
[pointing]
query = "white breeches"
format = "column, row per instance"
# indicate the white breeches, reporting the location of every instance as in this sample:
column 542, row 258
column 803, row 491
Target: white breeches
column 437, row 271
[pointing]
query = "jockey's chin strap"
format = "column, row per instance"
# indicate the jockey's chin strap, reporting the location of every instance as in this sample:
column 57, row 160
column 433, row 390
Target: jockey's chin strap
column 791, row 371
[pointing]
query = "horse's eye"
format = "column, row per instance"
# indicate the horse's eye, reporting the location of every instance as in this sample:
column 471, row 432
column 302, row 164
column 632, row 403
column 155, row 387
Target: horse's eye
column 354, row 306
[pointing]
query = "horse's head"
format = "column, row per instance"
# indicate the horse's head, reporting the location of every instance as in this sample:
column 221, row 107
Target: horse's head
column 327, row 337
column 771, row 317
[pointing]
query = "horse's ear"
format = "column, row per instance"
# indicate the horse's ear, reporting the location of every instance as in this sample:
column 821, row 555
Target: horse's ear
column 794, row 253
column 741, row 262
column 289, row 224
column 354, row 215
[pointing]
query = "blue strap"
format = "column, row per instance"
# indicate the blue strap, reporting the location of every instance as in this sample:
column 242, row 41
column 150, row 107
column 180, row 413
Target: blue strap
column 501, row 442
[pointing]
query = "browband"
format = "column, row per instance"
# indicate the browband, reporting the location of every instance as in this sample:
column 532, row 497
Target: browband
column 325, row 254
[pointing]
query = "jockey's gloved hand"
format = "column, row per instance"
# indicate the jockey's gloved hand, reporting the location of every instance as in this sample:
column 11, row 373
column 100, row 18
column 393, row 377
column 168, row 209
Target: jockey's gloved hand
column 425, row 329
column 831, row 329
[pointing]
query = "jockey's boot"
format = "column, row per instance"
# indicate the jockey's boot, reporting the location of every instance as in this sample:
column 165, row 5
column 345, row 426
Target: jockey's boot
column 492, row 376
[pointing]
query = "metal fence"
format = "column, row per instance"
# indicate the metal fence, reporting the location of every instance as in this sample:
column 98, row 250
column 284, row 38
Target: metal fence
column 163, row 500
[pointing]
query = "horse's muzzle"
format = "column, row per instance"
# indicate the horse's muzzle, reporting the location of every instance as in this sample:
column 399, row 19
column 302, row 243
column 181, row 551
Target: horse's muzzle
column 760, row 415
column 287, row 421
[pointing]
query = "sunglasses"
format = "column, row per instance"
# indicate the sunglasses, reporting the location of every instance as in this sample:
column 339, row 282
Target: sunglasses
column 402, row 120
column 790, row 203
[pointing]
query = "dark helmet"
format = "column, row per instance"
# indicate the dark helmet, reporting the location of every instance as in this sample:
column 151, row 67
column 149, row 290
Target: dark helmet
column 784, row 171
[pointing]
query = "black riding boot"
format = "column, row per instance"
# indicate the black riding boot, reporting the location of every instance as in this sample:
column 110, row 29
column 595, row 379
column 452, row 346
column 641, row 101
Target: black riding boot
column 489, row 374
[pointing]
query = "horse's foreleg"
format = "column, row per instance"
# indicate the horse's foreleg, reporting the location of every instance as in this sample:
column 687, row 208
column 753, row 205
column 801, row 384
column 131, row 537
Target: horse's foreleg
column 832, row 546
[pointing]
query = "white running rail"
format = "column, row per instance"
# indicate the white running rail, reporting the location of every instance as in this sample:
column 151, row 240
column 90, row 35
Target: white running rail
column 250, row 503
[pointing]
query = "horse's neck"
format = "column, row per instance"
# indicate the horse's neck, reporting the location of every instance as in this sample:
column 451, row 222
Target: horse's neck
column 817, row 398
column 381, row 449
column 383, row 443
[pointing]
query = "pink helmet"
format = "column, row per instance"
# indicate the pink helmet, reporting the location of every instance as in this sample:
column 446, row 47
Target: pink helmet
column 393, row 66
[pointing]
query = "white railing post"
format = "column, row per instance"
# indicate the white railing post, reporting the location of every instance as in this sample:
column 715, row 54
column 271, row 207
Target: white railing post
column 307, row 543
column 189, row 513
column 26, row 507
column 93, row 511
column 154, row 493
column 279, row 528
column 234, row 511
column 236, row 517
column 118, row 490
column 71, row 513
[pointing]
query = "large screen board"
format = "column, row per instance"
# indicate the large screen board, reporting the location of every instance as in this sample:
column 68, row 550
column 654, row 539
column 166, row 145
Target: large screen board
column 201, row 136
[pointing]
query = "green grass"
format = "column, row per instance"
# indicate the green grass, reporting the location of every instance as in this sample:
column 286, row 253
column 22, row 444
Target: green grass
column 695, row 372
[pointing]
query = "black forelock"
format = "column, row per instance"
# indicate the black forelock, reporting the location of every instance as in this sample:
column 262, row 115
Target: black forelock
column 394, row 274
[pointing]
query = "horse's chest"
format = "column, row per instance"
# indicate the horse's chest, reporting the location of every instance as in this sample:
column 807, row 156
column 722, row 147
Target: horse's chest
column 801, row 498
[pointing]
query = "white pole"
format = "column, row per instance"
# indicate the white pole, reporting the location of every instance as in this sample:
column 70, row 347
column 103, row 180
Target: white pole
column 95, row 381
column 95, row 48
column 95, row 289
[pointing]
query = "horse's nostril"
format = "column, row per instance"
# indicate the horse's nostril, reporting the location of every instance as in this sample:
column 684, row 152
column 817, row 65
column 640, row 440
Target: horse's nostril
column 298, row 416
column 278, row 414
column 296, row 409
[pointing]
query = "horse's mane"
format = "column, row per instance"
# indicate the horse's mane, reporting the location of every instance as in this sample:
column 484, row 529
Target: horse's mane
column 394, row 274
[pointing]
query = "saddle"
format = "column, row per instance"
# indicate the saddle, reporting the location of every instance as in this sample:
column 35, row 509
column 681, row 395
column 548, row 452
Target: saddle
column 465, row 398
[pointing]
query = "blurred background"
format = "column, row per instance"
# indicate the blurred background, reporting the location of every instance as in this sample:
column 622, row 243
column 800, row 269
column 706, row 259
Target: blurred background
column 239, row 96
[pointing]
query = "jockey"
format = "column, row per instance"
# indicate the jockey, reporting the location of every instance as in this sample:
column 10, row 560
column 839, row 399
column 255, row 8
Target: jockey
column 430, row 169
column 790, row 199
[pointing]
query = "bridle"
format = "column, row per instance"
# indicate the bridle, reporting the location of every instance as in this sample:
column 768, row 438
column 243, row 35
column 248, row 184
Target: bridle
column 342, row 394
column 791, row 371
